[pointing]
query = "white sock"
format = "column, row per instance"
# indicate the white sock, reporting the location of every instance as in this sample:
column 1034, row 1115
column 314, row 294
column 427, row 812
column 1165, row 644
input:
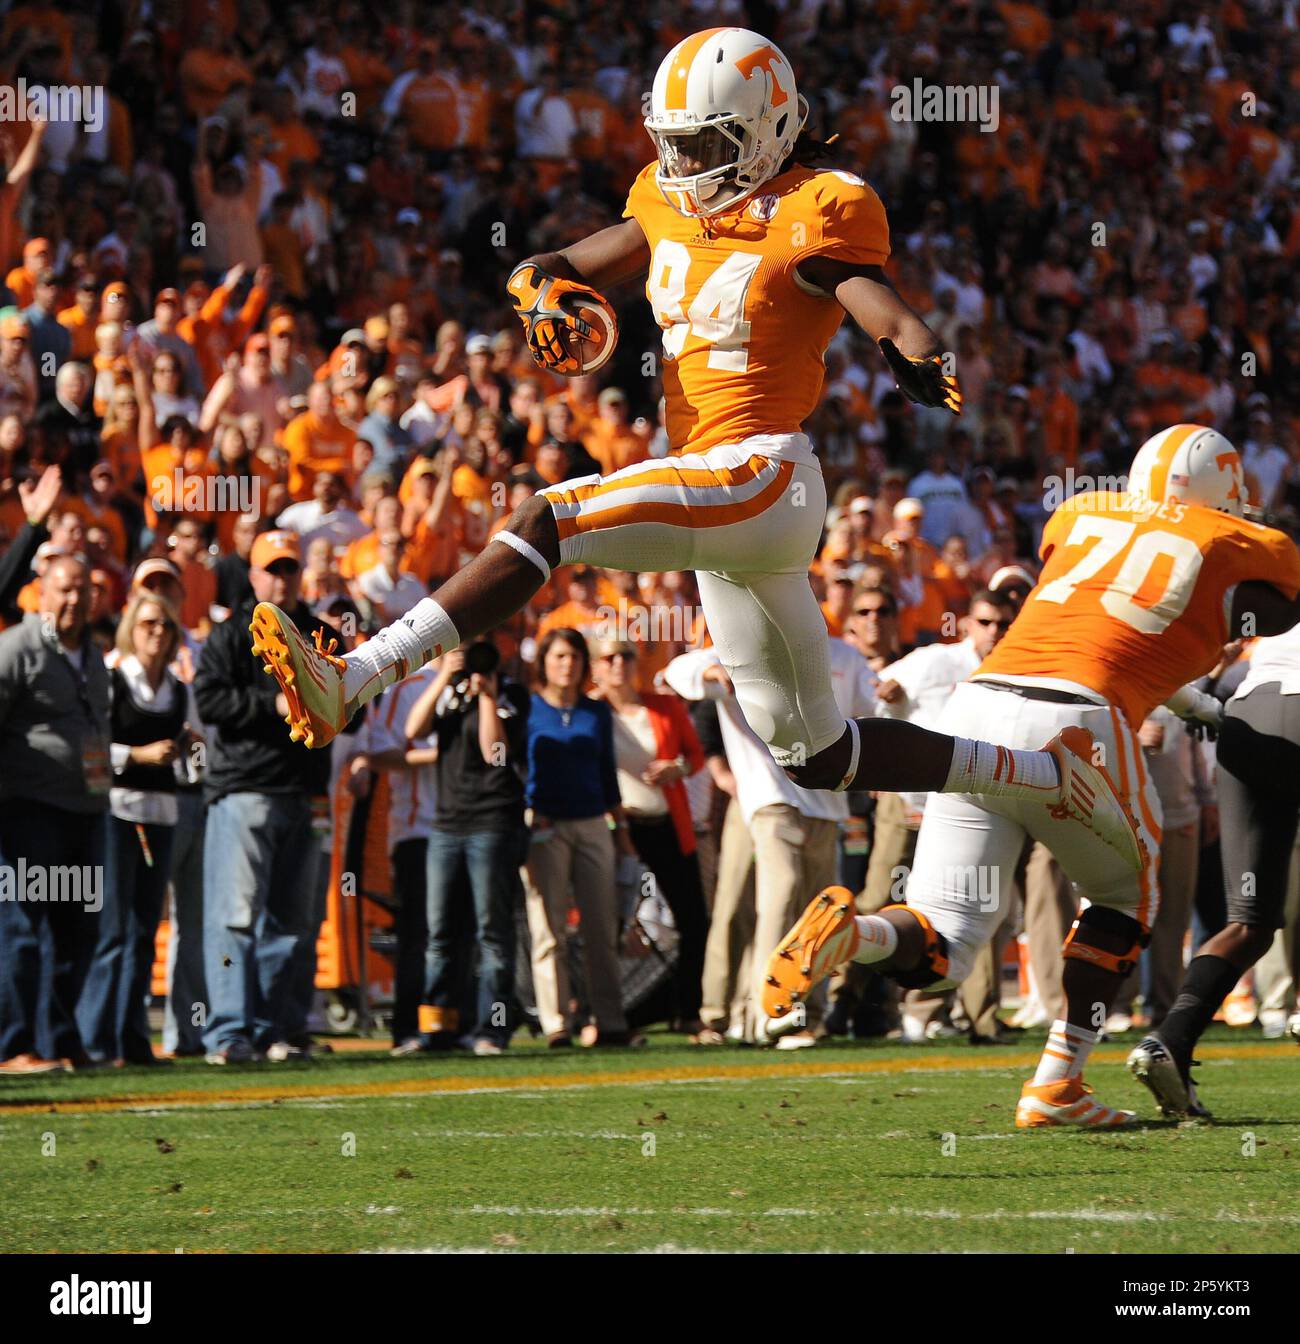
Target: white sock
column 424, row 633
column 877, row 939
column 982, row 767
column 1065, row 1053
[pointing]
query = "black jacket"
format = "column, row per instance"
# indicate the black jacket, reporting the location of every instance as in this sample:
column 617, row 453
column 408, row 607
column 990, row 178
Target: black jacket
column 249, row 750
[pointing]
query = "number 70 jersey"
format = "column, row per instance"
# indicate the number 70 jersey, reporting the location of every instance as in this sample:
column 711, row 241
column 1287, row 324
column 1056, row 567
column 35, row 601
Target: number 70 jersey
column 743, row 334
column 1134, row 597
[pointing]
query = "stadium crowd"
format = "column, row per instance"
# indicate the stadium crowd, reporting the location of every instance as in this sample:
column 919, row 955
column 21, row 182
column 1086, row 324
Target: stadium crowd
column 254, row 345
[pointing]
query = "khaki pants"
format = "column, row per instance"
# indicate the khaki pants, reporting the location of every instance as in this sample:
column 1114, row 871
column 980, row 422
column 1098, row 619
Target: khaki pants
column 577, row 854
column 794, row 858
column 1180, row 850
column 706, row 852
column 980, row 994
column 1050, row 908
column 732, row 928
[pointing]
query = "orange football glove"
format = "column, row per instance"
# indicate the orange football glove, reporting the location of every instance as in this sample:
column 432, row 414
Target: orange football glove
column 922, row 380
column 542, row 303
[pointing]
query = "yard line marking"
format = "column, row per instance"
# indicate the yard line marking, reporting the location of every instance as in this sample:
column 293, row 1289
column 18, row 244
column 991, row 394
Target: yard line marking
column 793, row 1071
column 946, row 1215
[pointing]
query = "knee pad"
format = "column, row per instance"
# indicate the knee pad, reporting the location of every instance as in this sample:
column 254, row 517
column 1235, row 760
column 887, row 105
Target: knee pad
column 932, row 969
column 1081, row 943
column 770, row 711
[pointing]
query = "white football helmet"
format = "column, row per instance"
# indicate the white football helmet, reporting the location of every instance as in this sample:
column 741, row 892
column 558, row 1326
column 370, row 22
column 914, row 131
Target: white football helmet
column 1191, row 464
column 724, row 115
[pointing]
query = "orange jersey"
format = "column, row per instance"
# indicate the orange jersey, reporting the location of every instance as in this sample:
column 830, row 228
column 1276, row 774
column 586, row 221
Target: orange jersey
column 743, row 339
column 1133, row 599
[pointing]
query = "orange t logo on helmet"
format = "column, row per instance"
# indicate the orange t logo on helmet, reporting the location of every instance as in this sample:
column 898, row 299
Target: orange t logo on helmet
column 762, row 60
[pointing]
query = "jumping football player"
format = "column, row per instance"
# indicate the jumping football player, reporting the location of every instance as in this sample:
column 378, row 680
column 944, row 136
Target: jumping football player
column 751, row 260
column 1132, row 603
column 1258, row 778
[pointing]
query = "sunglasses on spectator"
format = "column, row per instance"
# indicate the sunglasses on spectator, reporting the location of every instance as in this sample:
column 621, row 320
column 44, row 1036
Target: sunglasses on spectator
column 881, row 610
column 991, row 620
column 155, row 623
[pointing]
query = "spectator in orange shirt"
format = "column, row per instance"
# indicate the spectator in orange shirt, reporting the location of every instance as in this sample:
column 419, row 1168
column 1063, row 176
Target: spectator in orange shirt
column 429, row 103
column 612, row 439
column 1058, row 413
column 837, row 607
column 930, row 596
column 317, row 440
column 82, row 318
column 283, row 249
column 187, row 545
column 210, row 73
column 38, row 256
column 581, row 610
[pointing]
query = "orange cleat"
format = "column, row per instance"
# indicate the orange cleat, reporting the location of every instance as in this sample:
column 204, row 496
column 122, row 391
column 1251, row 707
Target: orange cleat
column 311, row 678
column 1089, row 795
column 823, row 938
column 1068, row 1102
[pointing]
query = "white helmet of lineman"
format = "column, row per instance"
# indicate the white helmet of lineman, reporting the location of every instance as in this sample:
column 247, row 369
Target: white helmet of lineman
column 724, row 115
column 1190, row 464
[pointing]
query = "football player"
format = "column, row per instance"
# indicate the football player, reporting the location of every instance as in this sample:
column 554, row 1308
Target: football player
column 1132, row 603
column 751, row 258
column 1258, row 779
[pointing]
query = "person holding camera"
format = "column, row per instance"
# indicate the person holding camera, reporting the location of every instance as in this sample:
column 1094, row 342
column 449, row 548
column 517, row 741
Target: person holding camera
column 150, row 734
column 479, row 724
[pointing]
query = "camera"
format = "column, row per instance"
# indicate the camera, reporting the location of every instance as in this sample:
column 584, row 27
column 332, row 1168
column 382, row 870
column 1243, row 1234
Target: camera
column 482, row 658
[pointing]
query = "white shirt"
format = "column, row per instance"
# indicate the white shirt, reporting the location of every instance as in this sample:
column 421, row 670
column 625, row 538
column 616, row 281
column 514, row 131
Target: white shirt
column 634, row 749
column 1265, row 462
column 944, row 497
column 928, row 676
column 544, row 125
column 1276, row 658
column 760, row 782
column 310, row 521
column 412, row 794
column 392, row 597
column 146, row 805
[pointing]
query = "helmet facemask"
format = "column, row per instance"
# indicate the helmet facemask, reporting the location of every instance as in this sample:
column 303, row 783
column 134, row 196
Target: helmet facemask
column 703, row 163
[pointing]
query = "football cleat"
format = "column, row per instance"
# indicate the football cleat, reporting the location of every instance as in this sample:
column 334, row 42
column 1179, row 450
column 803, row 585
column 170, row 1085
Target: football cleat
column 1156, row 1069
column 1293, row 1027
column 311, row 678
column 1068, row 1102
column 824, row 937
column 1089, row 795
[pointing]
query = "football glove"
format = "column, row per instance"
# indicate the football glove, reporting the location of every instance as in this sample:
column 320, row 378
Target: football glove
column 1202, row 713
column 922, row 380
column 544, row 305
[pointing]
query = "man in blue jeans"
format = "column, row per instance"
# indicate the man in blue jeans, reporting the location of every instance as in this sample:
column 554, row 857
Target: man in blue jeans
column 54, row 781
column 259, row 852
column 480, row 725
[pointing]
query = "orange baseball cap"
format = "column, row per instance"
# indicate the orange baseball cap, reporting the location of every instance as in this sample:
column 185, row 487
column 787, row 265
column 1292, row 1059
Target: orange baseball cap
column 34, row 246
column 283, row 323
column 168, row 296
column 12, row 326
column 117, row 290
column 273, row 546
column 258, row 341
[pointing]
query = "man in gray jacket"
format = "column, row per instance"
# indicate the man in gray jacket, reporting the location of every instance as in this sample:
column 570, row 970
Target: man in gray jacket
column 54, row 740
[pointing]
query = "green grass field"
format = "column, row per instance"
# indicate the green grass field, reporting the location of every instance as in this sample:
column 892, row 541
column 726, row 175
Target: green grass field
column 843, row 1148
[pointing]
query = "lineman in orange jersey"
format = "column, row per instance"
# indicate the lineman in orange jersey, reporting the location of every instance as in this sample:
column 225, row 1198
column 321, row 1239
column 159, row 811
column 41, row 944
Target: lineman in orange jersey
column 751, row 258
column 1133, row 602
